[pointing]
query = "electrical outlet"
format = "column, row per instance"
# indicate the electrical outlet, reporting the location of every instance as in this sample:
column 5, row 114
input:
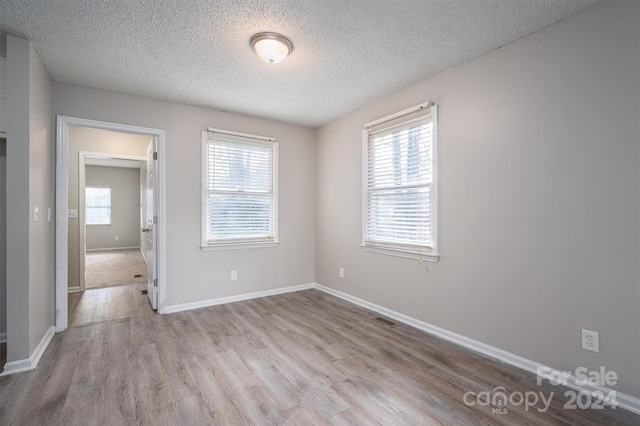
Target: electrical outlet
column 341, row 272
column 117, row 238
column 591, row 341
column 234, row 275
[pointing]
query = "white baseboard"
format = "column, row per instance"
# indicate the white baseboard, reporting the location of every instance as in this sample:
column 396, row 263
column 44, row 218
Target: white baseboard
column 30, row 363
column 3, row 337
column 624, row 401
column 112, row 248
column 75, row 289
column 230, row 299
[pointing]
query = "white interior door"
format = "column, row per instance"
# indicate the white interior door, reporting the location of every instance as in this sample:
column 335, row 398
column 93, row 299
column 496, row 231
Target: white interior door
column 151, row 217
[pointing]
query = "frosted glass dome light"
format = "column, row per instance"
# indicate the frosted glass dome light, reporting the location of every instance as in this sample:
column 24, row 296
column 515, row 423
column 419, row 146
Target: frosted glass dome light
column 271, row 47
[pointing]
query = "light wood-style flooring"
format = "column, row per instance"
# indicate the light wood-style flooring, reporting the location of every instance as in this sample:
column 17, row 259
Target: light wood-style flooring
column 108, row 304
column 304, row 358
column 108, row 268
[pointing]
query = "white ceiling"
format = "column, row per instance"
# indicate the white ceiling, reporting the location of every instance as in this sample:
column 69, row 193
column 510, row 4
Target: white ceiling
column 346, row 53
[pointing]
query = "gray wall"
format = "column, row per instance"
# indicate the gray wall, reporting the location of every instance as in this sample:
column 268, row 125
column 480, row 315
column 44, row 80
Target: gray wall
column 125, row 207
column 3, row 188
column 3, row 238
column 30, row 169
column 539, row 198
column 41, row 194
column 92, row 140
column 194, row 275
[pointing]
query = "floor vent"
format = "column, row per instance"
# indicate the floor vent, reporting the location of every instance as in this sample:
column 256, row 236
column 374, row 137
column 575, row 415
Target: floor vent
column 144, row 291
column 386, row 322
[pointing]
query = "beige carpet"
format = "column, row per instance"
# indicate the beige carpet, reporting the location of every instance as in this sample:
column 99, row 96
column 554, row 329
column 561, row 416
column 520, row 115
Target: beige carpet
column 114, row 267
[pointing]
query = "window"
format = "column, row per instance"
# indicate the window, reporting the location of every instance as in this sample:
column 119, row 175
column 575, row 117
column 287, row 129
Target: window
column 399, row 180
column 97, row 206
column 239, row 205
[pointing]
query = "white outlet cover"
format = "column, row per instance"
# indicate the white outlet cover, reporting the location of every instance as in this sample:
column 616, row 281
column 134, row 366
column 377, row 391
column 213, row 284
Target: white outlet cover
column 591, row 341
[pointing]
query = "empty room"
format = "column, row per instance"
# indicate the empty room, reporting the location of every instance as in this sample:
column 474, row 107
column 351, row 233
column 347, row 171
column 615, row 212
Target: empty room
column 405, row 212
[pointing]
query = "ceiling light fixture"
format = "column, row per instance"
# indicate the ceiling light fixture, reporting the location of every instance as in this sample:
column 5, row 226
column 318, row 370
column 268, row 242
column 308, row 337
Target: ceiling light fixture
column 271, row 47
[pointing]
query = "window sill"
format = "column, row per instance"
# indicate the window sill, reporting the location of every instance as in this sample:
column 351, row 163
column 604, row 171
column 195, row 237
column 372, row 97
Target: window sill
column 398, row 252
column 239, row 246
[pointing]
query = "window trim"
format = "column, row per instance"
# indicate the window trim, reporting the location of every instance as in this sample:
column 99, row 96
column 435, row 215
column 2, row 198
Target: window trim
column 398, row 250
column 248, row 242
column 87, row 206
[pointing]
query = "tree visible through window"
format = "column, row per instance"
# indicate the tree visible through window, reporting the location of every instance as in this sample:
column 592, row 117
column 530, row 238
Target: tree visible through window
column 399, row 197
column 98, row 206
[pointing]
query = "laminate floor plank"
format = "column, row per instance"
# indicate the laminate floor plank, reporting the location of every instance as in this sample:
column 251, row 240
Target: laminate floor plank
column 149, row 379
column 303, row 417
column 18, row 391
column 118, row 404
column 109, row 303
column 244, row 388
column 223, row 408
column 288, row 353
column 85, row 391
column 51, row 395
column 187, row 411
column 304, row 358
column 179, row 378
column 324, row 401
column 409, row 389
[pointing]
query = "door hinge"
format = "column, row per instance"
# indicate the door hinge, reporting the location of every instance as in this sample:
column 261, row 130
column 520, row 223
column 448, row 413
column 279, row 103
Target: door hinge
column 155, row 155
column 155, row 219
column 155, row 282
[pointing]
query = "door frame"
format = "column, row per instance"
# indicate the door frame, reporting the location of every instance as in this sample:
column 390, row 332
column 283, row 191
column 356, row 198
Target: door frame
column 62, row 205
column 82, row 184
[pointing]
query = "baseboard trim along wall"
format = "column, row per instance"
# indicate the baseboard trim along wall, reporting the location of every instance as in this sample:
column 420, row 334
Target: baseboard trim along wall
column 30, row 363
column 230, row 299
column 624, row 401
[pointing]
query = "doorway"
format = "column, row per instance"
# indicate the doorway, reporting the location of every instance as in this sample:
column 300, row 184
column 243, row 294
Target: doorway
column 111, row 207
column 66, row 213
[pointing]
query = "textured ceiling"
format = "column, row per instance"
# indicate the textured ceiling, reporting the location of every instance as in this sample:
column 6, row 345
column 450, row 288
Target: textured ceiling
column 346, row 53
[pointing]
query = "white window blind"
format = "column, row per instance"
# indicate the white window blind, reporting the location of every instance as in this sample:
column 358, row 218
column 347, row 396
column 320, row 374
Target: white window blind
column 240, row 205
column 98, row 206
column 400, row 192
